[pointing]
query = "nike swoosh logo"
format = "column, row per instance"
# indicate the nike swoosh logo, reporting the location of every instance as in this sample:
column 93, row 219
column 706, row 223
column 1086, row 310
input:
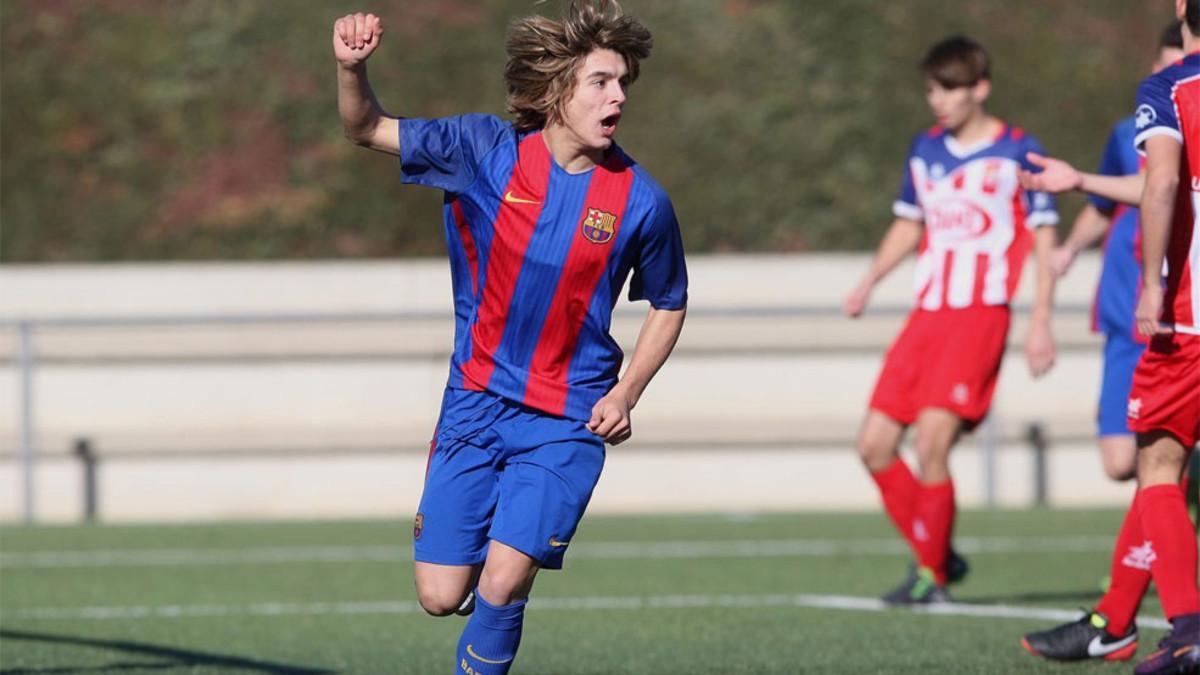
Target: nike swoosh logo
column 472, row 654
column 556, row 543
column 513, row 199
column 1098, row 647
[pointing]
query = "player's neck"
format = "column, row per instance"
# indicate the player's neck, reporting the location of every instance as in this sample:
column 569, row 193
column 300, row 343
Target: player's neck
column 1191, row 43
column 567, row 152
column 978, row 128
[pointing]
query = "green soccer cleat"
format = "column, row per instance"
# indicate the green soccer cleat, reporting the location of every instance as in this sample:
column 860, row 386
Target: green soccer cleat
column 918, row 588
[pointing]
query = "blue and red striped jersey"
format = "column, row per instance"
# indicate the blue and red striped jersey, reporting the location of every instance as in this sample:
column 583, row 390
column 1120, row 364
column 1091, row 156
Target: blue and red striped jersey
column 539, row 256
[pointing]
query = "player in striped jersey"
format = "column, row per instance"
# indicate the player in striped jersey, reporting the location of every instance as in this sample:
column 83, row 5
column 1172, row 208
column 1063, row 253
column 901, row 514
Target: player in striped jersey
column 545, row 218
column 962, row 208
column 1116, row 293
column 1164, row 402
column 1108, row 631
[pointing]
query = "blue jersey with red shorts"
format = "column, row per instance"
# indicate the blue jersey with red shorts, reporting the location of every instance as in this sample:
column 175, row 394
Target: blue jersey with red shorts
column 538, row 258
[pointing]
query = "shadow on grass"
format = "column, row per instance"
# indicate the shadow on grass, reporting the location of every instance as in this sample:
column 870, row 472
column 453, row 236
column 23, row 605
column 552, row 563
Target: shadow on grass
column 166, row 657
column 1088, row 597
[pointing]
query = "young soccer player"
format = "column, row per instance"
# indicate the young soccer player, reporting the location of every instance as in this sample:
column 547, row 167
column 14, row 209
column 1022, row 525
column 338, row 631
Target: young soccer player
column 1164, row 402
column 545, row 218
column 962, row 207
column 1116, row 294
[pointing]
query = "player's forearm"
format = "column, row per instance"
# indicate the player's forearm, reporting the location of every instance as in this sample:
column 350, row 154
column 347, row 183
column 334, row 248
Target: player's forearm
column 1157, row 207
column 1043, row 297
column 1089, row 227
column 901, row 239
column 658, row 336
column 1123, row 189
column 357, row 105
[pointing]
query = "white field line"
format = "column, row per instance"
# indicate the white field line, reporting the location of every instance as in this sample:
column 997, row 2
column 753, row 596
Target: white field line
column 614, row 550
column 584, row 604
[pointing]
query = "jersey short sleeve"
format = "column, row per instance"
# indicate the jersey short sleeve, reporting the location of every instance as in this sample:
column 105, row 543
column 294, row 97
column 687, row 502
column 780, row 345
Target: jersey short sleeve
column 659, row 271
column 1155, row 113
column 1042, row 206
column 907, row 204
column 444, row 153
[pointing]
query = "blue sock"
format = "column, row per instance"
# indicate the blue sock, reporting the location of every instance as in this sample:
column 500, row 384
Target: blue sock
column 489, row 642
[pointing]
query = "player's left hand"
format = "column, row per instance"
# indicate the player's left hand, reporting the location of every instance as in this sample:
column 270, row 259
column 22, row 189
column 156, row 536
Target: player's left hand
column 610, row 418
column 1149, row 308
column 1040, row 351
column 1056, row 175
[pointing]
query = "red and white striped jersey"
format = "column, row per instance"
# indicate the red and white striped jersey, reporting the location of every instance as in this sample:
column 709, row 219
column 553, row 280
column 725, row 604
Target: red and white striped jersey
column 978, row 220
column 1168, row 103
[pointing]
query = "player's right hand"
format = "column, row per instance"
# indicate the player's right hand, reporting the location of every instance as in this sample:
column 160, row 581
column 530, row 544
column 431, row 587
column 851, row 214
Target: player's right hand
column 1055, row 176
column 355, row 37
column 1149, row 309
column 855, row 303
column 1061, row 259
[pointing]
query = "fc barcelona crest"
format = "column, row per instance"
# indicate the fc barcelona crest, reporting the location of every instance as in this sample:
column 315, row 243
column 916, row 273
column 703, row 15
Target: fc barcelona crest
column 599, row 226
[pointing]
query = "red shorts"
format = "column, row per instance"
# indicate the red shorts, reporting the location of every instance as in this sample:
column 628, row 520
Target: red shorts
column 946, row 359
column 1166, row 388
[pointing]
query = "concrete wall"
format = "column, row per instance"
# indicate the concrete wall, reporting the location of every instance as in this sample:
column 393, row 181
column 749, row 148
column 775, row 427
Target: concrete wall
column 321, row 418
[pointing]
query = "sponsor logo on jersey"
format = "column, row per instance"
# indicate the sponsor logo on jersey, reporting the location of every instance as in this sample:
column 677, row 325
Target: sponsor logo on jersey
column 957, row 220
column 1140, row 557
column 513, row 199
column 960, row 394
column 1145, row 115
column 599, row 226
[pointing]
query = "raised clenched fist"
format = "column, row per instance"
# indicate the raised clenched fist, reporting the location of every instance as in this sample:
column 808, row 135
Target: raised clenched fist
column 355, row 37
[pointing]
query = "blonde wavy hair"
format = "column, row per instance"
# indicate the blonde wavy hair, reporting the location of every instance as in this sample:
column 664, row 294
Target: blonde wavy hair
column 545, row 55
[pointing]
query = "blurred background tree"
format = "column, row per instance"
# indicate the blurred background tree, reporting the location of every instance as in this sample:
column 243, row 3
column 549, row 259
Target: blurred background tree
column 207, row 129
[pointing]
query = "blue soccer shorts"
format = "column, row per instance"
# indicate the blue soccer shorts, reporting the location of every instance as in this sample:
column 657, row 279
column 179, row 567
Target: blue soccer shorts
column 500, row 470
column 1121, row 354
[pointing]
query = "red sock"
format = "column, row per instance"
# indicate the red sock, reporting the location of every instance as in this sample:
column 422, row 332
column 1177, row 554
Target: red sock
column 1165, row 522
column 933, row 522
column 1130, row 573
column 899, row 490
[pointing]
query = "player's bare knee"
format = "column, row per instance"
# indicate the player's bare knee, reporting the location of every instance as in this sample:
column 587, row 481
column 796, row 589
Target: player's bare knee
column 439, row 602
column 501, row 587
column 876, row 456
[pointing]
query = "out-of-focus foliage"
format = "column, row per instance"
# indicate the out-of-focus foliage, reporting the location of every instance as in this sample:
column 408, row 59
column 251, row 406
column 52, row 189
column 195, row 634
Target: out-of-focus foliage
column 207, row 129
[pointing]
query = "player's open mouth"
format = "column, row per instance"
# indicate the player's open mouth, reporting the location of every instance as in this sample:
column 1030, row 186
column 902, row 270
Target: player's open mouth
column 609, row 124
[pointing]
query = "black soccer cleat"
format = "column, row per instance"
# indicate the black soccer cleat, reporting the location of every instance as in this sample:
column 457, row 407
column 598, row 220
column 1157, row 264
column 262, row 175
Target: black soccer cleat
column 956, row 567
column 918, row 588
column 1178, row 653
column 467, row 606
column 1081, row 640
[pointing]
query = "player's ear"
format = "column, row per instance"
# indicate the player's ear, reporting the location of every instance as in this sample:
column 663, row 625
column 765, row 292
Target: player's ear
column 981, row 90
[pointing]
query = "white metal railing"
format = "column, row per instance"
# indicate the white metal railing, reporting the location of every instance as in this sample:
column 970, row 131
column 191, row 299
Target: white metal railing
column 27, row 362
